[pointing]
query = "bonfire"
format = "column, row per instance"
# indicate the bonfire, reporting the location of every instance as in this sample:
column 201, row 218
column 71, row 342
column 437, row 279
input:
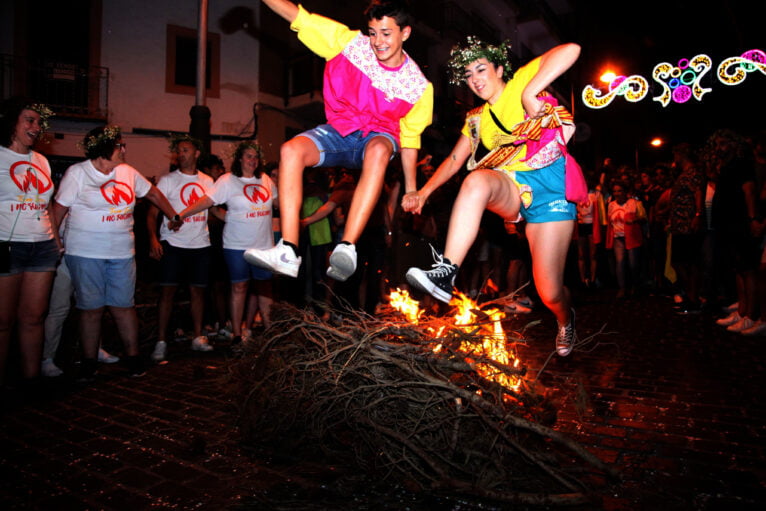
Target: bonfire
column 434, row 403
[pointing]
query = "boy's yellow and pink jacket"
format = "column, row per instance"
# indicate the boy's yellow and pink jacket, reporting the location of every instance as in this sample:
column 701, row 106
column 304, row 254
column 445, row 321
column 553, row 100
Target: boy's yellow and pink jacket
column 360, row 93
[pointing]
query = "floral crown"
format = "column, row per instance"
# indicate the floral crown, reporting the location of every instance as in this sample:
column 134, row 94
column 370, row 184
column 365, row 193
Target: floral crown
column 177, row 138
column 44, row 112
column 474, row 49
column 93, row 141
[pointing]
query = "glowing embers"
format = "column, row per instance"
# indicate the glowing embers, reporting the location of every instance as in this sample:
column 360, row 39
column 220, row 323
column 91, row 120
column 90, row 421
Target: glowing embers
column 734, row 70
column 486, row 342
column 681, row 82
column 632, row 88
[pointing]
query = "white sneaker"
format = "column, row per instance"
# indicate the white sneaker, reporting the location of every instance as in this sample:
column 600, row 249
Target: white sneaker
column 279, row 259
column 342, row 262
column 107, row 358
column 729, row 320
column 758, row 328
column 160, row 349
column 49, row 369
column 227, row 331
column 731, row 308
column 201, row 344
column 742, row 324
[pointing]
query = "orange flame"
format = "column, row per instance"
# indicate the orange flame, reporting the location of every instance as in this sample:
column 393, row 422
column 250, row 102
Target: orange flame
column 401, row 301
column 493, row 345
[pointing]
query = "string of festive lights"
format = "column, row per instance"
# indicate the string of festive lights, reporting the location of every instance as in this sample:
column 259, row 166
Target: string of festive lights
column 684, row 79
column 734, row 70
column 680, row 82
column 633, row 89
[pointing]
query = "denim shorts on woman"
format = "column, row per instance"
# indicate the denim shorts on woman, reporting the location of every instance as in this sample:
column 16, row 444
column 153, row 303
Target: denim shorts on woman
column 338, row 151
column 240, row 270
column 549, row 202
column 33, row 256
column 102, row 282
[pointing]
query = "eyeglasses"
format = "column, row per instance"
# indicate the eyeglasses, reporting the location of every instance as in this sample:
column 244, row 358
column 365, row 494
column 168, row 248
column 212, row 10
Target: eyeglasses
column 121, row 145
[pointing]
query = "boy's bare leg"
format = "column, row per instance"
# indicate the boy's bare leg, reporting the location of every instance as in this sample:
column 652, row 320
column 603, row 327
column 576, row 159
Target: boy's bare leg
column 376, row 157
column 295, row 155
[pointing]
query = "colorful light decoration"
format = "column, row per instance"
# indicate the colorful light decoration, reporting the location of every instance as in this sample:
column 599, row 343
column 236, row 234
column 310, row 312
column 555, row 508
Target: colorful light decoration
column 679, row 83
column 753, row 60
column 633, row 88
column 684, row 79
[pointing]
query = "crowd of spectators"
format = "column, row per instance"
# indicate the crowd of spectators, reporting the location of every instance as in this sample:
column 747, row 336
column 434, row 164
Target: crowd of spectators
column 691, row 229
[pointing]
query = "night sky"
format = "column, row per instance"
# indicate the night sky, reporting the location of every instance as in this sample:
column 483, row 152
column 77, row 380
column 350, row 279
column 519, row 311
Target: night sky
column 633, row 40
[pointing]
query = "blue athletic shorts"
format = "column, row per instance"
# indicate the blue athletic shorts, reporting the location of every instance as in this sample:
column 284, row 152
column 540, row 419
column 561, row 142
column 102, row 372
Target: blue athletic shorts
column 33, row 256
column 240, row 270
column 184, row 265
column 549, row 203
column 338, row 151
column 102, row 282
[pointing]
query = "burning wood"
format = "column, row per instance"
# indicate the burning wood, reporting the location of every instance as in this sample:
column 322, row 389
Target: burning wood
column 435, row 402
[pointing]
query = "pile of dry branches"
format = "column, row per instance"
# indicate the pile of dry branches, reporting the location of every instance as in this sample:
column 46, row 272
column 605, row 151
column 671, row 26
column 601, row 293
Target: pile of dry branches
column 370, row 392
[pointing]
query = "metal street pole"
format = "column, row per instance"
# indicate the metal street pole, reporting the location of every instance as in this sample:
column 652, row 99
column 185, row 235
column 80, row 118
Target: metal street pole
column 200, row 113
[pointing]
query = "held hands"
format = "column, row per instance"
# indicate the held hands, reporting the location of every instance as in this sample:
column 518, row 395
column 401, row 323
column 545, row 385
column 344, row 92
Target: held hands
column 175, row 223
column 412, row 202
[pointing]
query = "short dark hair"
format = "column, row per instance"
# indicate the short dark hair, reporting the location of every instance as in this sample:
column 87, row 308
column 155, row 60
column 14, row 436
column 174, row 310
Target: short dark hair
column 10, row 110
column 208, row 161
column 177, row 139
column 398, row 10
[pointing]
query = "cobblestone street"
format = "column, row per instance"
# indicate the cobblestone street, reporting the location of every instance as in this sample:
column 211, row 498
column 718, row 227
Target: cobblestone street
column 674, row 402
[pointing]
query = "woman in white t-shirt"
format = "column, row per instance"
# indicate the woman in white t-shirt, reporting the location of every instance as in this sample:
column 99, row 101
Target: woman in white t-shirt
column 248, row 193
column 28, row 251
column 99, row 194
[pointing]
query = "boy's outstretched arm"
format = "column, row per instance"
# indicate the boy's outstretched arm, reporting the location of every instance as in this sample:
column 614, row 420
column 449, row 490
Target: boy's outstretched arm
column 284, row 8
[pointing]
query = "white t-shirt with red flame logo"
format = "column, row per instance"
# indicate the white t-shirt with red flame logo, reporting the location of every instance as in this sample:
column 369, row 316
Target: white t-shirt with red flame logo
column 100, row 224
column 248, row 217
column 183, row 190
column 25, row 190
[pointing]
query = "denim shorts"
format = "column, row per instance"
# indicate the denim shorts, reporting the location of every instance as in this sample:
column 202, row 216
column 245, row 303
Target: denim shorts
column 240, row 270
column 102, row 282
column 338, row 151
column 549, row 202
column 184, row 265
column 33, row 256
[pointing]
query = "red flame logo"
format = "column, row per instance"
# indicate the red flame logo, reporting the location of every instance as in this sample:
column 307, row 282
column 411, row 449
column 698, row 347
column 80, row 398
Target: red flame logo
column 29, row 176
column 256, row 193
column 191, row 193
column 116, row 193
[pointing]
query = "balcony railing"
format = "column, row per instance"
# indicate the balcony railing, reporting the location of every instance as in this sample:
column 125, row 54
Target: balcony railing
column 68, row 89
